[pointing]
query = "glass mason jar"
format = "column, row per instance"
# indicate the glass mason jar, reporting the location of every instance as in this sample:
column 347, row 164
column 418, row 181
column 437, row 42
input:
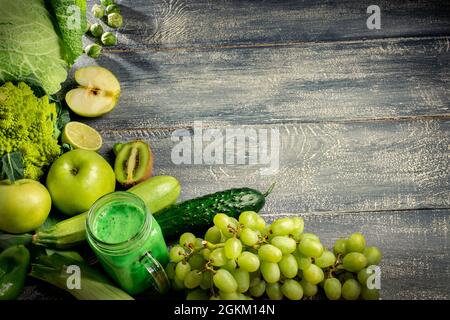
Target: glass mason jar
column 128, row 242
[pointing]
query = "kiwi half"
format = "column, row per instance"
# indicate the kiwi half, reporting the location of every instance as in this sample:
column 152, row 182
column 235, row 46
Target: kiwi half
column 134, row 162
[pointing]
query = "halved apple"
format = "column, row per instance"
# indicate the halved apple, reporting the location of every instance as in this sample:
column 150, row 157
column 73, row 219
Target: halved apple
column 97, row 94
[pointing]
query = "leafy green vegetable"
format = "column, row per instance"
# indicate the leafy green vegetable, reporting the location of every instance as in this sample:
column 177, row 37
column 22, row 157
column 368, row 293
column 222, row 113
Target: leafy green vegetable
column 11, row 166
column 71, row 18
column 39, row 40
column 63, row 117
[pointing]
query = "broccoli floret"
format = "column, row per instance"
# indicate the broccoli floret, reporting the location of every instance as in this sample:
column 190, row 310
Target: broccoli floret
column 26, row 125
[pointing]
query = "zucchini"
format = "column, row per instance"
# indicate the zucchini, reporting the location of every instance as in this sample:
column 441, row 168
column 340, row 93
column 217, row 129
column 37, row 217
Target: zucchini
column 196, row 215
column 157, row 192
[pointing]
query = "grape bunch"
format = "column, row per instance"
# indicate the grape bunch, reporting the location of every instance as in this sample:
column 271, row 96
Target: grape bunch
column 247, row 258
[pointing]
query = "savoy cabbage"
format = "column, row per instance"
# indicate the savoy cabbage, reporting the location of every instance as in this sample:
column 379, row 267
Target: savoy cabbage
column 39, row 40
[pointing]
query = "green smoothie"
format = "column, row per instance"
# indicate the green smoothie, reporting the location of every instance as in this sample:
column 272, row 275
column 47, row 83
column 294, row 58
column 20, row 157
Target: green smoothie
column 121, row 232
column 118, row 222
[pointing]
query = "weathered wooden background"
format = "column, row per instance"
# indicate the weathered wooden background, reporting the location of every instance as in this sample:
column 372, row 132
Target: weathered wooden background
column 363, row 114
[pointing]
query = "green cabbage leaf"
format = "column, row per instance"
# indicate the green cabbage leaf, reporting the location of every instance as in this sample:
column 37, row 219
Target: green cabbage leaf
column 39, row 40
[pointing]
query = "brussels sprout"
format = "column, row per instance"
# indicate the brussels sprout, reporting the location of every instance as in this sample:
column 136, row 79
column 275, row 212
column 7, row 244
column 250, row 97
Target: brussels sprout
column 98, row 11
column 115, row 20
column 93, row 50
column 112, row 8
column 96, row 30
column 109, row 39
column 106, row 3
column 88, row 27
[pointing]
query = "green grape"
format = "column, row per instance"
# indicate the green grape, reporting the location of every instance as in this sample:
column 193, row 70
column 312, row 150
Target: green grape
column 370, row 294
column 313, row 274
column 196, row 261
column 303, row 262
column 182, row 269
column 249, row 237
column 187, row 240
column 260, row 224
column 206, row 282
column 205, row 253
column 332, row 288
column 258, row 289
column 351, row 289
column 197, row 294
column 193, row 279
column 225, row 281
column 299, row 224
column 234, row 222
column 177, row 284
column 214, row 297
column 221, row 221
column 340, row 247
column 285, row 244
column 248, row 218
column 310, row 248
column 309, row 289
column 282, row 227
column 354, row 262
column 270, row 271
column 213, row 235
column 311, row 236
column 229, row 295
column 232, row 248
column 345, row 276
column 217, row 257
column 288, row 266
column 363, row 276
column 356, row 243
column 373, row 255
column 177, row 253
column 254, row 280
column 327, row 259
column 170, row 270
column 292, row 290
column 269, row 253
column 230, row 265
column 198, row 244
column 242, row 278
column 273, row 291
column 248, row 261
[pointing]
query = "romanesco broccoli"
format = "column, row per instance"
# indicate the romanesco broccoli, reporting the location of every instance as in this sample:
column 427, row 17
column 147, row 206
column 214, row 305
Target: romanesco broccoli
column 26, row 125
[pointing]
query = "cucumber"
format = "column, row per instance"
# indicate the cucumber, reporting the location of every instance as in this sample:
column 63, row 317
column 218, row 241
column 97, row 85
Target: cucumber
column 196, row 215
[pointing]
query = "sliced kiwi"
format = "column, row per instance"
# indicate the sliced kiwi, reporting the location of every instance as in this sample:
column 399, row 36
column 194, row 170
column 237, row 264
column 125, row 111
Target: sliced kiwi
column 134, row 162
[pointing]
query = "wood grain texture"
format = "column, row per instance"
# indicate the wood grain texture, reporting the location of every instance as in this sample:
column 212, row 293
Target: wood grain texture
column 415, row 247
column 307, row 83
column 174, row 23
column 322, row 167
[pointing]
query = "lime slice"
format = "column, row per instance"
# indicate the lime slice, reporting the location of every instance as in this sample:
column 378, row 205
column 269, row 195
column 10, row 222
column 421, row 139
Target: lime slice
column 81, row 136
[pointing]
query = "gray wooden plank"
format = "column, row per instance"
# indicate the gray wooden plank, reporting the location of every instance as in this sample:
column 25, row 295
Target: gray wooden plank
column 174, row 23
column 364, row 166
column 415, row 247
column 300, row 83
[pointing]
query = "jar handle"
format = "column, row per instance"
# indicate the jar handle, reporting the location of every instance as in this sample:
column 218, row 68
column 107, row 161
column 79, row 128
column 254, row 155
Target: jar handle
column 157, row 272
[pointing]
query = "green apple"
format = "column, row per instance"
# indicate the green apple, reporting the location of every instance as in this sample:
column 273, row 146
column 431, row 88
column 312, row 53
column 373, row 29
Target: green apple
column 77, row 179
column 24, row 205
column 97, row 94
